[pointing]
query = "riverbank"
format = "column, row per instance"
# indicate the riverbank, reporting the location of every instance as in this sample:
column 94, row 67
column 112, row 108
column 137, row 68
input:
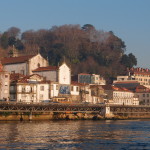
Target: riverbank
column 26, row 116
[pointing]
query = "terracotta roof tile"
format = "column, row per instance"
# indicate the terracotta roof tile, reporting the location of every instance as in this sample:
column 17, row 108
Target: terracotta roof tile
column 77, row 83
column 49, row 68
column 84, row 74
column 14, row 60
column 16, row 76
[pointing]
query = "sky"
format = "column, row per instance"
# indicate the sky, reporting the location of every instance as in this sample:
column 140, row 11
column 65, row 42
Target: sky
column 128, row 19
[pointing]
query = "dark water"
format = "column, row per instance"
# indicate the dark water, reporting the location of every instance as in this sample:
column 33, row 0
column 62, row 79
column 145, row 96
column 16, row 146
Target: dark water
column 76, row 135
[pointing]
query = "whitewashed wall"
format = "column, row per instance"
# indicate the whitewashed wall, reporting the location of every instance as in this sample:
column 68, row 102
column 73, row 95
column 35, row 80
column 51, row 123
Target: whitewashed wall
column 26, row 93
column 126, row 98
column 54, row 90
column 42, row 94
column 74, row 90
column 4, row 85
column 34, row 61
column 64, row 74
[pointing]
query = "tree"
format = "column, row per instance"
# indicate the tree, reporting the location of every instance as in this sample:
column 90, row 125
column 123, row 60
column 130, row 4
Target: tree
column 88, row 27
column 19, row 45
column 13, row 32
column 4, row 40
column 129, row 60
column 11, row 41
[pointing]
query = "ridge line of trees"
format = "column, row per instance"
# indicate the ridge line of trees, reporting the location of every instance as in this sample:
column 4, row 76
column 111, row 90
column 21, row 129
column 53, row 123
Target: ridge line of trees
column 85, row 48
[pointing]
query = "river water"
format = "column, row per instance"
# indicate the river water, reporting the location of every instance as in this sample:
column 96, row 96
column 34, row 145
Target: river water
column 76, row 135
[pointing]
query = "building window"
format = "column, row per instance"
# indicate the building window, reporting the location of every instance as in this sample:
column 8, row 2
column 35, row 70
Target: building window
column 6, row 83
column 147, row 95
column 143, row 95
column 71, row 88
column 42, row 88
column 56, row 87
column 23, row 89
column 77, row 88
column 6, row 76
column 31, row 89
column 38, row 65
column 51, row 87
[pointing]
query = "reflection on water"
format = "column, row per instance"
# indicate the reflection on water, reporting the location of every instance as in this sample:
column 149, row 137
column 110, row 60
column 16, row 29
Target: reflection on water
column 74, row 135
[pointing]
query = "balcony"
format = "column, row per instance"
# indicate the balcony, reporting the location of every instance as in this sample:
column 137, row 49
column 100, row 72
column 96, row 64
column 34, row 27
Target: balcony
column 25, row 91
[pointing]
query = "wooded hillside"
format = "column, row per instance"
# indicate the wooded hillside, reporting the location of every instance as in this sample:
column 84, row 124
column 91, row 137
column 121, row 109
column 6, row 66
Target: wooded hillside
column 86, row 49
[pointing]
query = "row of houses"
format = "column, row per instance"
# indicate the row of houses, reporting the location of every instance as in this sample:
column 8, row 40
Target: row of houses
column 31, row 79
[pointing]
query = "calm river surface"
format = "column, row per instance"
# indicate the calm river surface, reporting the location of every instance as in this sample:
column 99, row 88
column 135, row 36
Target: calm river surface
column 76, row 135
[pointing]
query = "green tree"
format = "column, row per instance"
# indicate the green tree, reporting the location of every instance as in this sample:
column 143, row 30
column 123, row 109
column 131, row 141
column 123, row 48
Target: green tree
column 4, row 40
column 129, row 60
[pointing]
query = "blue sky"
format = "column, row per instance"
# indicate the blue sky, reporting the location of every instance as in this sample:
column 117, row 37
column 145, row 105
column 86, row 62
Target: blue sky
column 128, row 19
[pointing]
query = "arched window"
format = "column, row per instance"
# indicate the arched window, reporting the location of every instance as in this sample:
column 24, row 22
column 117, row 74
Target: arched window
column 38, row 65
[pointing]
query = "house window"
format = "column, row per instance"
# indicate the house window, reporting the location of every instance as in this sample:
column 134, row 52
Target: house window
column 77, row 88
column 38, row 65
column 31, row 89
column 71, row 88
column 56, row 87
column 51, row 87
column 147, row 95
column 6, row 76
column 6, row 83
column 23, row 89
column 42, row 88
column 143, row 95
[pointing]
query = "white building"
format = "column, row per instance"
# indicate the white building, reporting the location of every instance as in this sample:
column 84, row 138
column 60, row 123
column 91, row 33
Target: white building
column 4, row 83
column 64, row 74
column 120, row 95
column 140, row 75
column 23, row 64
column 32, row 89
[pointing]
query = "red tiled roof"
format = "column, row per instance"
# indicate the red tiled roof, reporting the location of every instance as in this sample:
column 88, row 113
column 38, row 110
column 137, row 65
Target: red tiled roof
column 142, row 89
column 77, row 83
column 115, row 88
column 84, row 74
column 121, row 89
column 25, row 78
column 125, row 82
column 14, row 60
column 142, row 73
column 16, row 76
column 49, row 68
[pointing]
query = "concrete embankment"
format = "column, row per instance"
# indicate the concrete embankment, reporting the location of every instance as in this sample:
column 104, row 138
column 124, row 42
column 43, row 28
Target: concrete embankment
column 71, row 112
column 8, row 116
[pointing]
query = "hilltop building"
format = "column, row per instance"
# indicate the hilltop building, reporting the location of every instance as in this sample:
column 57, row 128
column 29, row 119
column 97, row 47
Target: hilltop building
column 140, row 75
column 23, row 64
